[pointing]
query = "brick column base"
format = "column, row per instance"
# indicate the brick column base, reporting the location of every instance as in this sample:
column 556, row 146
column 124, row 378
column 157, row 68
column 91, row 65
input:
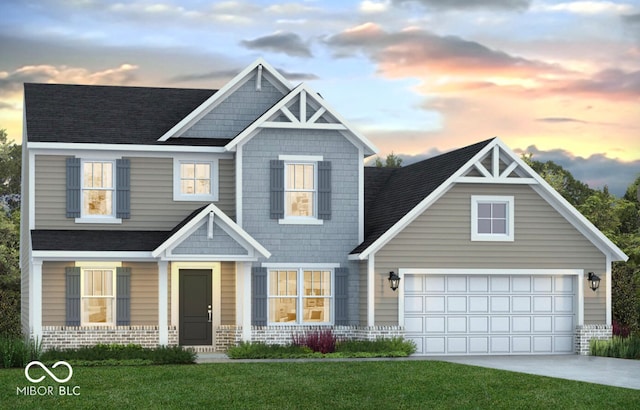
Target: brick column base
column 585, row 333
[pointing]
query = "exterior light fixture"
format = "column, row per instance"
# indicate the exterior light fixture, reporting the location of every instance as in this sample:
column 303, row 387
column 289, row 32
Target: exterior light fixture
column 594, row 281
column 394, row 280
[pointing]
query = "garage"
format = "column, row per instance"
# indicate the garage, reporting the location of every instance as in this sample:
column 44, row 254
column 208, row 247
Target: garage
column 475, row 314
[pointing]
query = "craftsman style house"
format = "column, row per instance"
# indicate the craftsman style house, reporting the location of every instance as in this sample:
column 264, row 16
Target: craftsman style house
column 207, row 217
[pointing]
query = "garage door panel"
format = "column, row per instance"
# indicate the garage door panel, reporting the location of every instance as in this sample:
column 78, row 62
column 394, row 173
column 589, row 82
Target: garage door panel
column 490, row 314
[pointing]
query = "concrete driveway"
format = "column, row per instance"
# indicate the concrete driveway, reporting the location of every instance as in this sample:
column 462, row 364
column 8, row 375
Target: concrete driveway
column 600, row 370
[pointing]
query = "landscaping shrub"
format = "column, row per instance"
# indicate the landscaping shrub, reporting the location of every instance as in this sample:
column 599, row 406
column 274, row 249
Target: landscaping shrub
column 322, row 341
column 259, row 350
column 620, row 347
column 17, row 352
column 121, row 354
column 395, row 344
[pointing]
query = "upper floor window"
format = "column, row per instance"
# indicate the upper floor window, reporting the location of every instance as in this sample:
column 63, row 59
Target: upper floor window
column 195, row 180
column 300, row 189
column 97, row 188
column 492, row 218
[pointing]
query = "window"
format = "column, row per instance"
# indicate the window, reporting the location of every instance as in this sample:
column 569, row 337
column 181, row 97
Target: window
column 195, row 180
column 98, row 191
column 98, row 296
column 300, row 296
column 300, row 190
column 492, row 218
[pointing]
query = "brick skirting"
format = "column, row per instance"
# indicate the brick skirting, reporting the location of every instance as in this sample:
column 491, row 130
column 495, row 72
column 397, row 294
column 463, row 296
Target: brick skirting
column 585, row 333
column 69, row 337
column 227, row 336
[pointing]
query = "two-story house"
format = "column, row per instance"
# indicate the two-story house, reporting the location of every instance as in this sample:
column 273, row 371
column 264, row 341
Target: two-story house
column 164, row 216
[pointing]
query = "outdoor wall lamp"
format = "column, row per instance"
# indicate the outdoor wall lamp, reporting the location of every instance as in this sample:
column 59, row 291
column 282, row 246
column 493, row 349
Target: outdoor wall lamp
column 594, row 281
column 394, row 280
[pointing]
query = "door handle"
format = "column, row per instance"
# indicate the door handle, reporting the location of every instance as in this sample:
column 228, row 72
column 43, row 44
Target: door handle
column 209, row 314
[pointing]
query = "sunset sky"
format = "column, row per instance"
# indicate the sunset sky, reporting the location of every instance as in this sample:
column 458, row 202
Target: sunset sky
column 560, row 79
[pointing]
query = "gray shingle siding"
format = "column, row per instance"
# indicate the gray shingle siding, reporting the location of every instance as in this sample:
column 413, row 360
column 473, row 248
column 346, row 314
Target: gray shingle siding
column 236, row 112
column 330, row 242
column 199, row 244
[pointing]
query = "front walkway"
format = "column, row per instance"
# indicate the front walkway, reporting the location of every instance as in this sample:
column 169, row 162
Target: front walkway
column 590, row 369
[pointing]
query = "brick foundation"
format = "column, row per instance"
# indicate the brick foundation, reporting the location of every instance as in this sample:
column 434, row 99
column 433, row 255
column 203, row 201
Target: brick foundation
column 587, row 332
column 227, row 336
column 69, row 337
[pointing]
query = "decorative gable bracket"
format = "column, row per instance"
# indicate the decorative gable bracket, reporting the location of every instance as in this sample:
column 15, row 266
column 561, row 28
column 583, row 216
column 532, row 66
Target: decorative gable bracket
column 498, row 165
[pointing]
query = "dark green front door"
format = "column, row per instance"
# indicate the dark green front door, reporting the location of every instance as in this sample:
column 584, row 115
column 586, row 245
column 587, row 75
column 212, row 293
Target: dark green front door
column 195, row 307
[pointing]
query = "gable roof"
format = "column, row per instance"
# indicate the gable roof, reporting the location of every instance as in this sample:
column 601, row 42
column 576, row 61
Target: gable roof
column 109, row 114
column 390, row 193
column 404, row 193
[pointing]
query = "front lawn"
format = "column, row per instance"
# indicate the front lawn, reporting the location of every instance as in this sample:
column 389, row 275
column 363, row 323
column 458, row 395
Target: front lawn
column 305, row 385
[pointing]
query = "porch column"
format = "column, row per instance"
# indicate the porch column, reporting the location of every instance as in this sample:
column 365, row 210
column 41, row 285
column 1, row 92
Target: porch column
column 35, row 300
column 163, row 303
column 243, row 304
column 371, row 291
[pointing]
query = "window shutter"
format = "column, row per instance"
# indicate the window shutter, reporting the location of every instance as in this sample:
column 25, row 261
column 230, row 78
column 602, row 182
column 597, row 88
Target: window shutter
column 259, row 296
column 341, row 288
column 277, row 189
column 73, row 187
column 72, row 295
column 324, row 190
column 123, row 296
column 123, row 189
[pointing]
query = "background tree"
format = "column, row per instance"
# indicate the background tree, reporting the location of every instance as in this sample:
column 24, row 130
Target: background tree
column 392, row 161
column 10, row 166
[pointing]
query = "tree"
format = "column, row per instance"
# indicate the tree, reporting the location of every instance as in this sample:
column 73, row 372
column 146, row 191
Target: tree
column 392, row 161
column 10, row 166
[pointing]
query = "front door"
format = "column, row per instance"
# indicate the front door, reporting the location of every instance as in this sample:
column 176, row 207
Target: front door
column 195, row 307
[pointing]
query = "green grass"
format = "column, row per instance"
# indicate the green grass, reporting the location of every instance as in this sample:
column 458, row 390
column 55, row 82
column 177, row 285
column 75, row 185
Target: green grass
column 315, row 385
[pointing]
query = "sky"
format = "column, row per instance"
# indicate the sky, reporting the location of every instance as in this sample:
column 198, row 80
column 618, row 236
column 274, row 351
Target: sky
column 558, row 79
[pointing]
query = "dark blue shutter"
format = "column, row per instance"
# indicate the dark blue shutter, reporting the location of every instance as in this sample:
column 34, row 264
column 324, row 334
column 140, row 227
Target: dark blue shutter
column 259, row 295
column 324, row 190
column 74, row 185
column 341, row 297
column 123, row 296
column 123, row 189
column 276, row 197
column 72, row 296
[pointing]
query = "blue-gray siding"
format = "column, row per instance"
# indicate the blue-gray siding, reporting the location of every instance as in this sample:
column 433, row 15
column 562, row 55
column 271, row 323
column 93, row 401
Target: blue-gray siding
column 199, row 243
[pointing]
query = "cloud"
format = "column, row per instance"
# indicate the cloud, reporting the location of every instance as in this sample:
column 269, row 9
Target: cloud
column 585, row 7
column 280, row 42
column 373, row 7
column 613, row 82
column 560, row 120
column 226, row 75
column 12, row 81
column 7, row 106
column 597, row 170
column 514, row 5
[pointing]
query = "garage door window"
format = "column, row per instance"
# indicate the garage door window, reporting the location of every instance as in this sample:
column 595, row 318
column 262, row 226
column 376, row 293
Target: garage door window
column 492, row 218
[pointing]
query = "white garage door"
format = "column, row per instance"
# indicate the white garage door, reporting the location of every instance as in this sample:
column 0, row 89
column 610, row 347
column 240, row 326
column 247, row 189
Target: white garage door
column 492, row 314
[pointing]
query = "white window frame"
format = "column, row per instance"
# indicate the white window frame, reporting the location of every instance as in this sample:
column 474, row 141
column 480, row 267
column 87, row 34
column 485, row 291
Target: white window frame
column 85, row 218
column 302, row 160
column 177, row 186
column 493, row 199
column 300, row 297
column 84, row 267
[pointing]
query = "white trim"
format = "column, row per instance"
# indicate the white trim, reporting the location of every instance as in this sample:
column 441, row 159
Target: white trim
column 221, row 94
column 89, row 255
column 300, row 220
column 35, row 299
column 264, row 121
column 163, row 303
column 246, row 300
column 360, row 195
column 97, row 264
column 196, row 221
column 371, row 291
column 68, row 148
column 492, row 180
column 493, row 199
column 305, row 158
column 214, row 178
column 301, row 265
column 580, row 302
column 608, row 301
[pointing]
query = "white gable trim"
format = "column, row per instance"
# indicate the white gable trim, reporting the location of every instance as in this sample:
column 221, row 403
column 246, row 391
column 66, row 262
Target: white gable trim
column 232, row 229
column 259, row 65
column 305, row 92
column 556, row 200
